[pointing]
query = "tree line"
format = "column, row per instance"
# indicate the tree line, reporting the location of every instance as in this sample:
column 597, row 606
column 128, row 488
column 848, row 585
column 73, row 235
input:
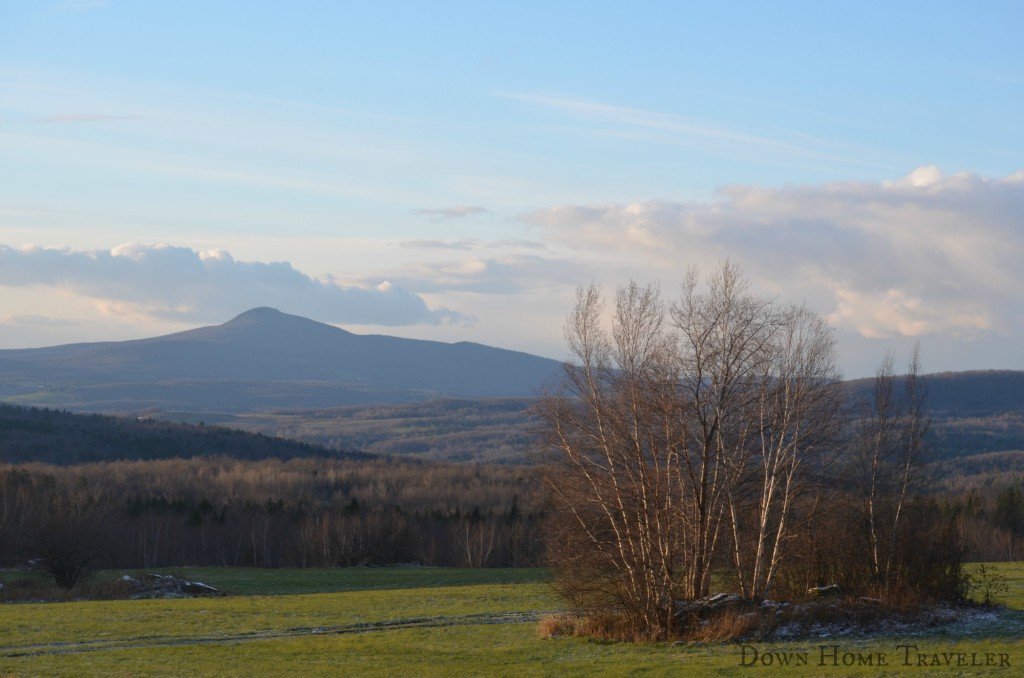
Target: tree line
column 271, row 513
column 989, row 516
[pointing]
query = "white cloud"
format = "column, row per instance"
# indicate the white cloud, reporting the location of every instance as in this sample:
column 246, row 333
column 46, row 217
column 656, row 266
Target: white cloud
column 178, row 283
column 895, row 312
column 925, row 255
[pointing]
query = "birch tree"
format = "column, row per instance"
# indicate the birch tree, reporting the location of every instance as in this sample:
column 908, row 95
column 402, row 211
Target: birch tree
column 797, row 418
column 613, row 434
column 682, row 428
column 890, row 449
column 723, row 350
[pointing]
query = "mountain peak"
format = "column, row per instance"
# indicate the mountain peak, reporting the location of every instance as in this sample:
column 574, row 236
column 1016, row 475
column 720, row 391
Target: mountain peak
column 258, row 313
column 267, row 322
column 266, row 316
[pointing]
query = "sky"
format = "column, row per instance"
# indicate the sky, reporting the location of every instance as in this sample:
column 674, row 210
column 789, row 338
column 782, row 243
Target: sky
column 454, row 171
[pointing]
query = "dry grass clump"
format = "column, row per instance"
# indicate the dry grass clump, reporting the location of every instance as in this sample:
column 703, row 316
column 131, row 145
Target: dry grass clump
column 606, row 626
column 729, row 625
column 611, row 626
column 720, row 627
column 558, row 626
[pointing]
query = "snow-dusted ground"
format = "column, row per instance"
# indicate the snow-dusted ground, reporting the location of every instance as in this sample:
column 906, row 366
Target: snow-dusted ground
column 953, row 622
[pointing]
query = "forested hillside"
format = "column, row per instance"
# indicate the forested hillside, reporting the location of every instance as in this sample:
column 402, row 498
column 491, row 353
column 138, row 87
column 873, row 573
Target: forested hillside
column 493, row 430
column 971, row 413
column 57, row 437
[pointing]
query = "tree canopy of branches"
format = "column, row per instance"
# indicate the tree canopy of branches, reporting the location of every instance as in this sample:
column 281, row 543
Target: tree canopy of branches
column 222, row 511
column 684, row 431
column 888, row 451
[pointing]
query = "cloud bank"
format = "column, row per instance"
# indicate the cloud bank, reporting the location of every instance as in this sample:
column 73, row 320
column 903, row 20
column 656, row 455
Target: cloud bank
column 928, row 254
column 178, row 283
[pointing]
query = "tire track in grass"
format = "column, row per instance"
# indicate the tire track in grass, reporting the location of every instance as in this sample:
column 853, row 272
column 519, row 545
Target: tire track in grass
column 142, row 642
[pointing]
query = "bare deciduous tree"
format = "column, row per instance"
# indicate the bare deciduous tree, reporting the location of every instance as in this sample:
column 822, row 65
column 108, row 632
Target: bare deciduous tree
column 796, row 420
column 613, row 432
column 762, row 395
column 890, row 446
column 676, row 423
column 723, row 350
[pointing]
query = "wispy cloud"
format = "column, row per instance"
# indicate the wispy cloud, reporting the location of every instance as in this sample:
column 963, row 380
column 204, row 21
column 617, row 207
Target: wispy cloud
column 211, row 137
column 661, row 127
column 640, row 118
column 510, row 274
column 453, row 212
column 182, row 284
column 469, row 244
column 461, row 245
column 87, row 117
column 31, row 320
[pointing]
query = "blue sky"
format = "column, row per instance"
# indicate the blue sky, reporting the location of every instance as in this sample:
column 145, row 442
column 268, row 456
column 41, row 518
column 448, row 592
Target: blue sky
column 454, row 171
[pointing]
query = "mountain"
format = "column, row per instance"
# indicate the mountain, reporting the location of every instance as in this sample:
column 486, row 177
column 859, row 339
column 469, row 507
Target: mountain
column 263, row 360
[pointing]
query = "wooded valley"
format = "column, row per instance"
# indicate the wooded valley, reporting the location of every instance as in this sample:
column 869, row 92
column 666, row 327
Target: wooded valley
column 139, row 492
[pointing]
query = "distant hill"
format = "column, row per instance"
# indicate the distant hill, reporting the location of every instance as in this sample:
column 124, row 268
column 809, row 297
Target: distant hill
column 972, row 413
column 56, row 437
column 963, row 394
column 263, row 360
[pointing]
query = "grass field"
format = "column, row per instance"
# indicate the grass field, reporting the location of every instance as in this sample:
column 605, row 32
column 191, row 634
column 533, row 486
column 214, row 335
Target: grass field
column 439, row 622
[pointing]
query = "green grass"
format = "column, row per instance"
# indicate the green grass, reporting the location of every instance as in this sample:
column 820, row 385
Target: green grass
column 423, row 622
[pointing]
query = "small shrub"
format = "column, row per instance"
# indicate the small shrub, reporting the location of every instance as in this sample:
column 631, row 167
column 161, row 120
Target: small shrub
column 989, row 584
